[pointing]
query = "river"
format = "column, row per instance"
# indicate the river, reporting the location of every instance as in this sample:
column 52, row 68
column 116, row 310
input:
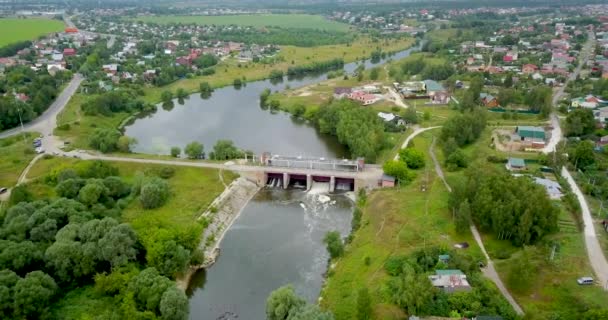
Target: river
column 277, row 239
column 235, row 114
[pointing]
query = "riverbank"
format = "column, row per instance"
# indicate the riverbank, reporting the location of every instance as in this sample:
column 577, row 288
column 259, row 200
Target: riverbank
column 220, row 215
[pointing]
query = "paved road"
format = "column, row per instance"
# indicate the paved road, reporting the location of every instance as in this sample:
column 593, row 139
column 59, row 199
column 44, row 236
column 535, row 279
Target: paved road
column 46, row 123
column 594, row 250
column 489, row 271
column 557, row 133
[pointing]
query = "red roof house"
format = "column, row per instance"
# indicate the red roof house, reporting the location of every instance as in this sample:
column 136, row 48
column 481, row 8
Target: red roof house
column 69, row 52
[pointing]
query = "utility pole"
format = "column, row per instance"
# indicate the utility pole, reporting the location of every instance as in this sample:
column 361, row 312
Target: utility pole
column 22, row 129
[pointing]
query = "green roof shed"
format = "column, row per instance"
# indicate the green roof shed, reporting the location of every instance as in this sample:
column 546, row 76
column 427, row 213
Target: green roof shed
column 530, row 132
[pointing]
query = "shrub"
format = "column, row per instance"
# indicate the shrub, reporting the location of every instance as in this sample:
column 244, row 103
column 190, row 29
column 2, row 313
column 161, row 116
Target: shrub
column 335, row 247
column 154, row 193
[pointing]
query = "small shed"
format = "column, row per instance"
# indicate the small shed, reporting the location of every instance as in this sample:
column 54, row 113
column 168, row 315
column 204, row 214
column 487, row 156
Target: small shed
column 516, row 164
column 387, row 181
column 445, row 258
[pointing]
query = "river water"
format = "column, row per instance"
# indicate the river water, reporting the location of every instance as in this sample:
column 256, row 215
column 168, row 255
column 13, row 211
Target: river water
column 277, row 239
column 235, row 114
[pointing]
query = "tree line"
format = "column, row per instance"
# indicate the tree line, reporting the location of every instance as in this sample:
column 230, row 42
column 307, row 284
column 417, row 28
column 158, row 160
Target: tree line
column 321, row 66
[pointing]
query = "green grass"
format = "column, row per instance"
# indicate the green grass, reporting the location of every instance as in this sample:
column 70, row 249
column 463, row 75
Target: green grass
column 299, row 21
column 554, row 288
column 15, row 30
column 395, row 221
column 82, row 126
column 14, row 159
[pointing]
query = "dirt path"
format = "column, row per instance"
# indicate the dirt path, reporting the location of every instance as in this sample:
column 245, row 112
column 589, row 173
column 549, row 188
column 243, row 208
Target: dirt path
column 489, row 271
column 413, row 135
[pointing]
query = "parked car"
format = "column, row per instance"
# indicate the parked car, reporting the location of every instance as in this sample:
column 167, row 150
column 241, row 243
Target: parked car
column 3, row 190
column 585, row 281
column 39, row 150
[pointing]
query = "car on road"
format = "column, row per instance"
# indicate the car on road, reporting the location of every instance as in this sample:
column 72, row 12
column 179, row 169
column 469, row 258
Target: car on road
column 3, row 190
column 584, row 281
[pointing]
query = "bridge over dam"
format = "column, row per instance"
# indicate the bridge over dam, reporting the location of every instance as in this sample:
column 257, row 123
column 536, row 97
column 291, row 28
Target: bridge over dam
column 288, row 171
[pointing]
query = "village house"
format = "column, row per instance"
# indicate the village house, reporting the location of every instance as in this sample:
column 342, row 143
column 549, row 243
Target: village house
column 68, row 52
column 364, row 98
column 510, row 57
column 530, row 136
column 601, row 114
column 391, row 117
column 110, row 68
column 149, row 75
column 450, row 281
column 488, row 100
column 529, row 68
column 588, row 102
column 342, row 92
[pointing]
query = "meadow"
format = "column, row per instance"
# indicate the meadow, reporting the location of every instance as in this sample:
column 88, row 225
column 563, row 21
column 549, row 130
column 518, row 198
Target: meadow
column 16, row 30
column 299, row 21
column 15, row 154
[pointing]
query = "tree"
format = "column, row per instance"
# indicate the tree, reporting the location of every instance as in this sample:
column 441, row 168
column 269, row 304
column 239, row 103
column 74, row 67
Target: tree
column 8, row 279
column 154, row 193
column 181, row 93
column 410, row 116
column 205, row 89
column 280, row 303
column 166, row 96
column 411, row 291
column 124, row 144
column 174, row 304
column 205, row 61
column 20, row 194
column 412, row 157
column 118, row 245
column 116, row 187
column 309, row 312
column 364, row 305
column 33, row 294
column 583, row 155
column 104, row 140
column 374, row 73
column 69, row 188
column 398, row 170
column 194, row 150
column 225, row 150
column 334, row 244
column 168, row 257
column 92, row 192
column 580, row 122
column 456, row 160
column 463, row 217
column 175, row 152
column 148, row 288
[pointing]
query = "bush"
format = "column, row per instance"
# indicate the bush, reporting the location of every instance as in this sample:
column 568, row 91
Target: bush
column 166, row 172
column 412, row 157
column 154, row 193
column 335, row 247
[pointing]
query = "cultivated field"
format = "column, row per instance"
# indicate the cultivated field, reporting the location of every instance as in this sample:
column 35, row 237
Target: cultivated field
column 301, row 21
column 15, row 30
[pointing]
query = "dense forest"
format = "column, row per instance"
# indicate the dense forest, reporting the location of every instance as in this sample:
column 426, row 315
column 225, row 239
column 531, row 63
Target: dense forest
column 499, row 203
column 358, row 128
column 51, row 247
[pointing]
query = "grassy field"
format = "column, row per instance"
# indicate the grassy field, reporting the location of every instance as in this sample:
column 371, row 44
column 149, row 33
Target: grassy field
column 14, row 158
column 395, row 221
column 300, row 21
column 553, row 288
column 15, row 30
